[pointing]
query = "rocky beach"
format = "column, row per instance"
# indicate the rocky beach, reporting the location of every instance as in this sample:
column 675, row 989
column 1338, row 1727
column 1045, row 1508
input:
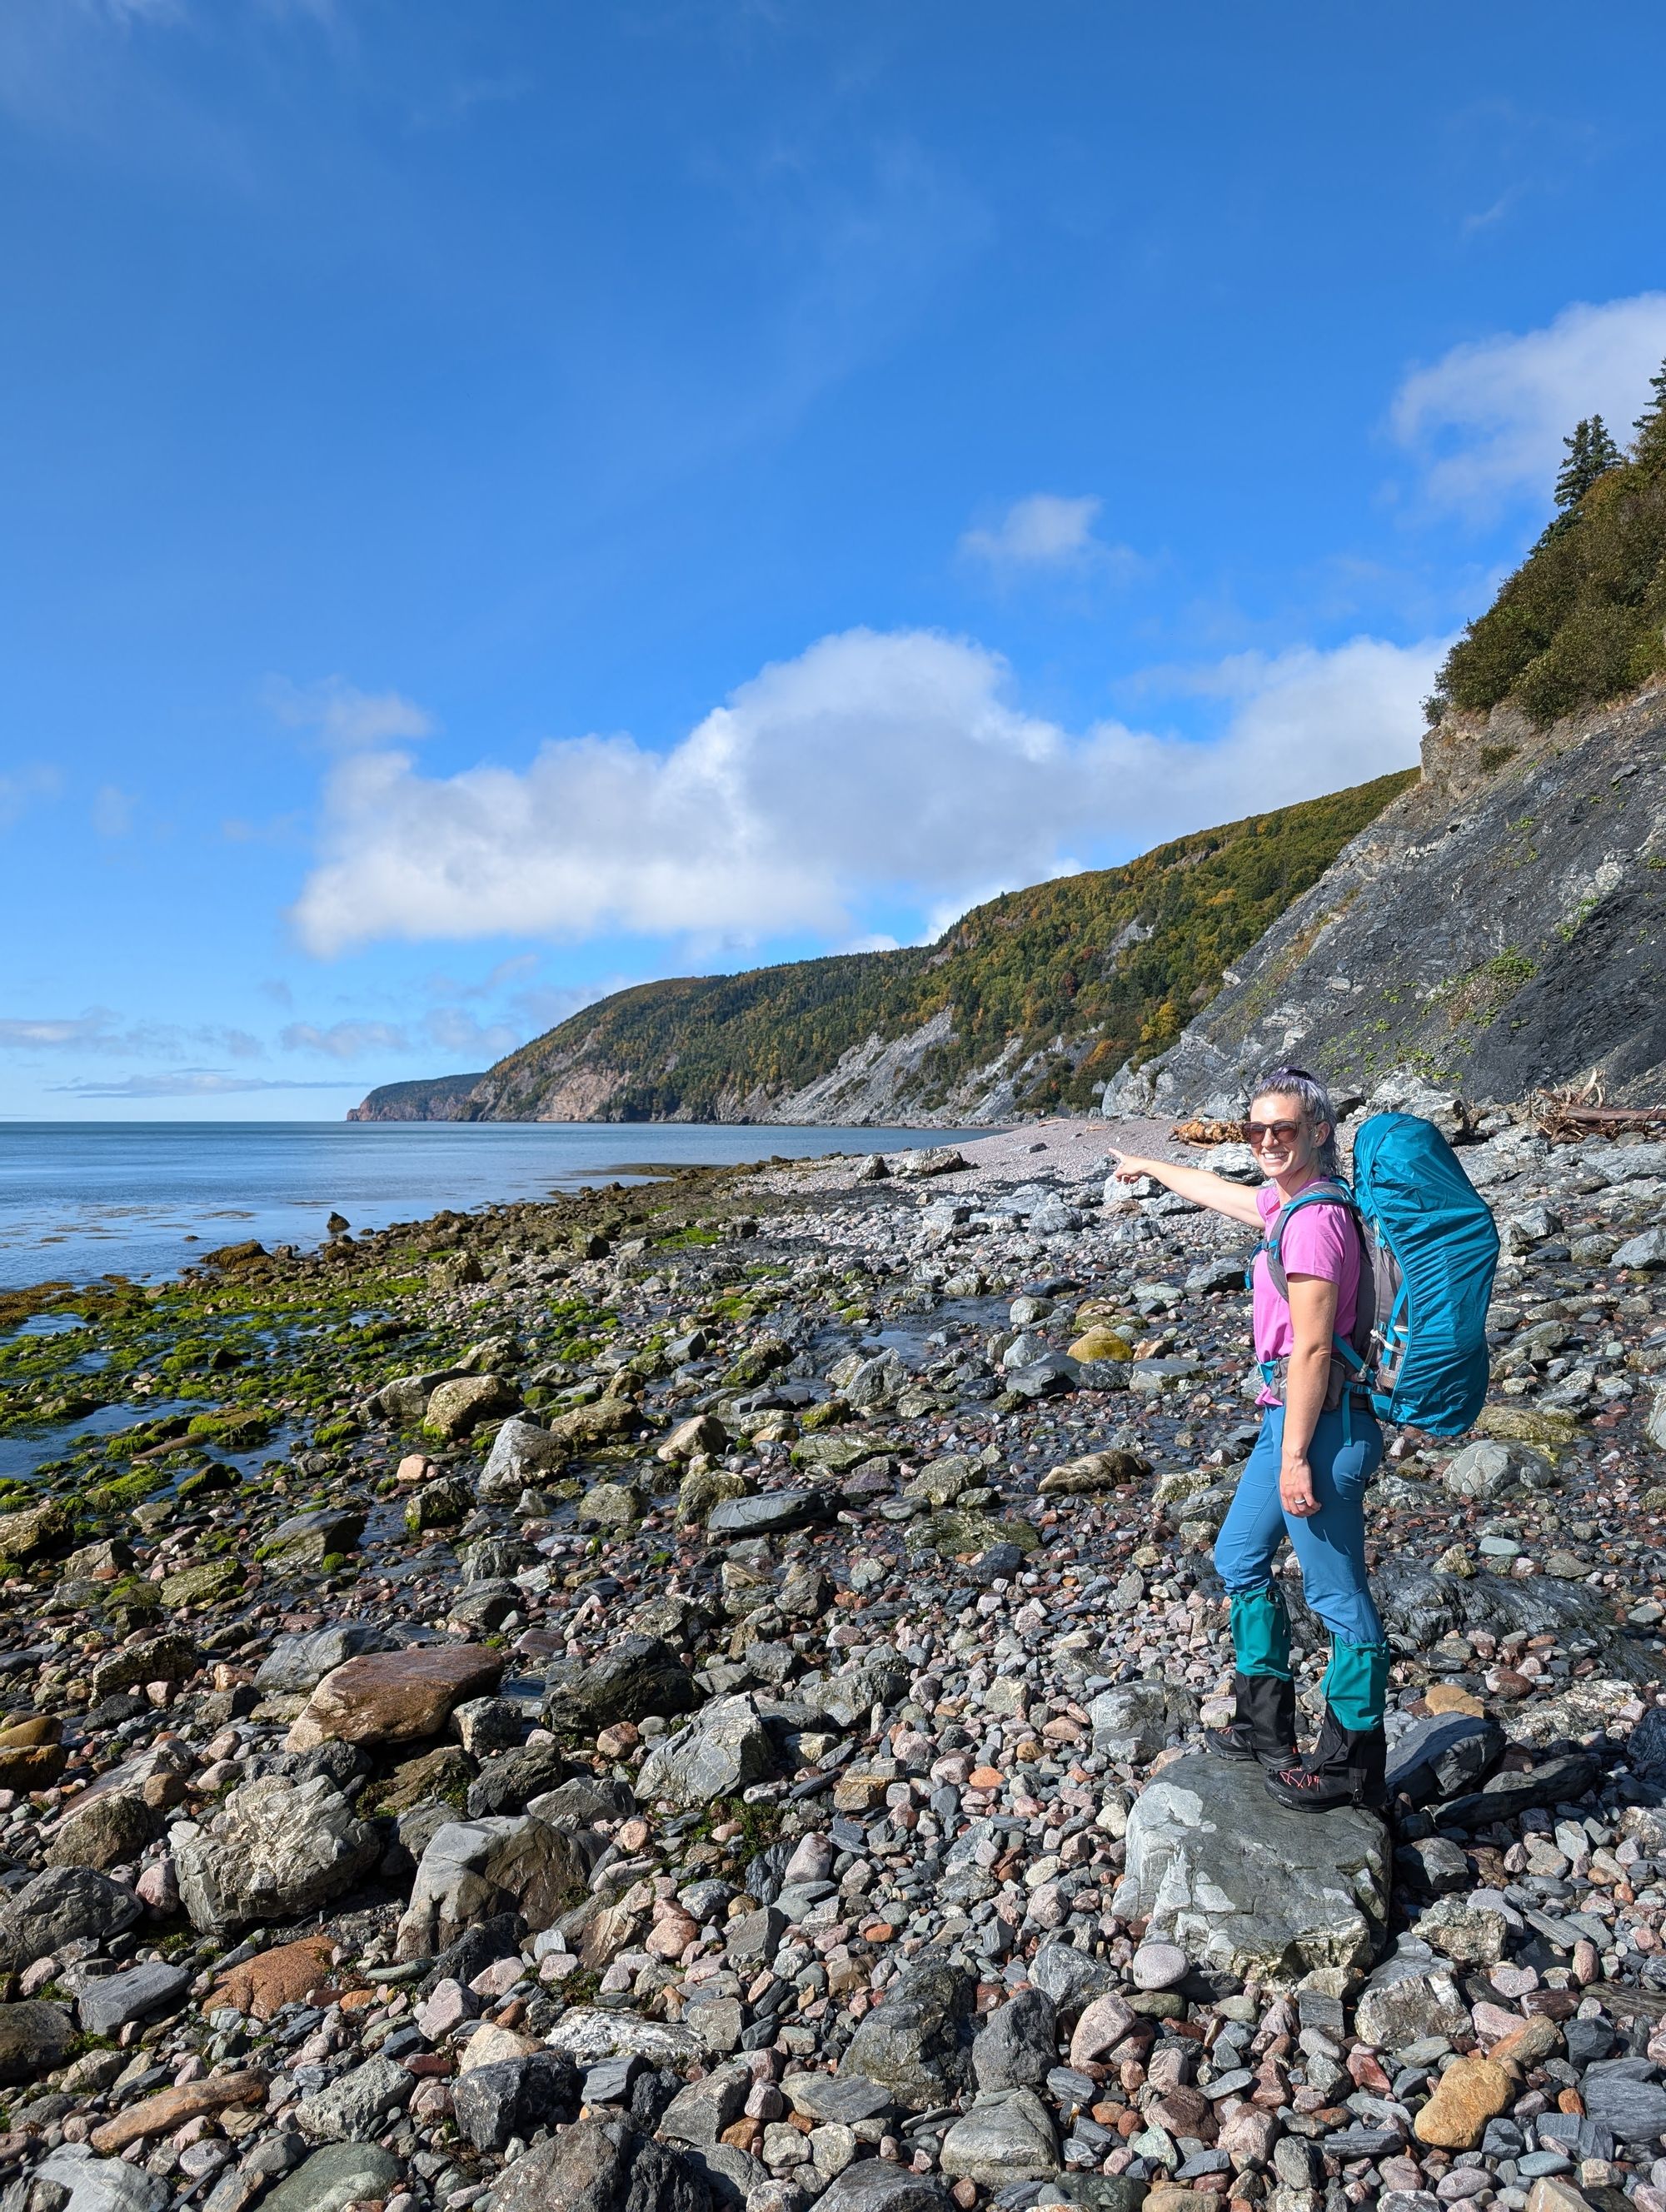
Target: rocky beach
column 691, row 1696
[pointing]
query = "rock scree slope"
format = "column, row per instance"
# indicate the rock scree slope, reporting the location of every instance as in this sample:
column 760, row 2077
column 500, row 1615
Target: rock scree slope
column 1496, row 929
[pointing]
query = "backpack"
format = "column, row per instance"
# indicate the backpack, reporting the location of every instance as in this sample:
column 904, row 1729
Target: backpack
column 1428, row 1248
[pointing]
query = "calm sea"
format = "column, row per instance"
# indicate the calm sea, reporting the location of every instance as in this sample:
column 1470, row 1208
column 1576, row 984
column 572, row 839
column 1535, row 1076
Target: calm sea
column 84, row 1198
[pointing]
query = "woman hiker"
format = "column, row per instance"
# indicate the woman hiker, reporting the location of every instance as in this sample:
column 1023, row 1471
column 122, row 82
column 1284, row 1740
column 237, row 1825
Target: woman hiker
column 1318, row 1446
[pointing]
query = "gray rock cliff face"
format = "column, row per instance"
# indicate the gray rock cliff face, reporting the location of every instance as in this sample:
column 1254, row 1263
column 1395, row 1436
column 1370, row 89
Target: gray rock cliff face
column 1495, row 929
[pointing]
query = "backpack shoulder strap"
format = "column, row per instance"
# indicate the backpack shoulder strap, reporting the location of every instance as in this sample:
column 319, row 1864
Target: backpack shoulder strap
column 1329, row 1192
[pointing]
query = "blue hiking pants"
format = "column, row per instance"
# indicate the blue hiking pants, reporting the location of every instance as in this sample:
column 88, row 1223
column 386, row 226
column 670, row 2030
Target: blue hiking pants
column 1330, row 1548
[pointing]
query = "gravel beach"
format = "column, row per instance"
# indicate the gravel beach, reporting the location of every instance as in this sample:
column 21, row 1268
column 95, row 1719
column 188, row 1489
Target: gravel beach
column 692, row 1696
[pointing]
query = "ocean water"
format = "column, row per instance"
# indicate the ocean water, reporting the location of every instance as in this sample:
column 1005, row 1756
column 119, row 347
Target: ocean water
column 141, row 1199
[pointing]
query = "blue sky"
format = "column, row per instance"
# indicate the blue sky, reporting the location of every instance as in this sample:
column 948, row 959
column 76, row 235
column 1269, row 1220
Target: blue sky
column 507, row 500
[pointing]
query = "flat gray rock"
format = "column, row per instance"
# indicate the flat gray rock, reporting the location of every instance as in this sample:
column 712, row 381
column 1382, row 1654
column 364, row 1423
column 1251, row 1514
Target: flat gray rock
column 772, row 1512
column 1005, row 2135
column 846, row 2098
column 337, row 2175
column 104, row 2185
column 722, row 1750
column 876, row 2184
column 297, row 1664
column 110, row 2002
column 350, row 2107
column 1246, row 1887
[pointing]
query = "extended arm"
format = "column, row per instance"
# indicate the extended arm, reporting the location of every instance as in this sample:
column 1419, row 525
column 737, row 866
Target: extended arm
column 1203, row 1188
column 1313, row 1321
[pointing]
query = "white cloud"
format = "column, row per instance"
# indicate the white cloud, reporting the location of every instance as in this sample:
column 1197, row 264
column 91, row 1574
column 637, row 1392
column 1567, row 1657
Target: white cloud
column 112, row 811
column 345, row 1039
column 1488, row 419
column 1044, row 531
column 343, row 715
column 894, row 765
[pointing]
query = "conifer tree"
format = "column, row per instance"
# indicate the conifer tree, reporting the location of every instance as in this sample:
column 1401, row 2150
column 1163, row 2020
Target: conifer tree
column 1590, row 453
column 1650, row 424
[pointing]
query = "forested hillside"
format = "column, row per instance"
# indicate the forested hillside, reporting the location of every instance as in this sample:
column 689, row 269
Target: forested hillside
column 1583, row 621
column 1026, row 1005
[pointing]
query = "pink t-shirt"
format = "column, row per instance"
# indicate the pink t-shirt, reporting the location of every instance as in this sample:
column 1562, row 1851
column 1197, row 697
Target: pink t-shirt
column 1320, row 1240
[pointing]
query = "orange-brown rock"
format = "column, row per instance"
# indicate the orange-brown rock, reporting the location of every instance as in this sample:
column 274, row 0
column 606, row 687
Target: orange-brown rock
column 31, row 1756
column 1447, row 1698
column 1471, row 2092
column 170, row 2108
column 395, row 1697
column 265, row 1984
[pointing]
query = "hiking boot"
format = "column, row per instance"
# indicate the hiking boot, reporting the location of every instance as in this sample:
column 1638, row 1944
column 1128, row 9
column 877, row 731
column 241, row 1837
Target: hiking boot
column 1265, row 1726
column 1344, row 1767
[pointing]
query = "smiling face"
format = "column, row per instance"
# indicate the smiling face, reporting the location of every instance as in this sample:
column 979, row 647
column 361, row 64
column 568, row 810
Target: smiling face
column 1282, row 1138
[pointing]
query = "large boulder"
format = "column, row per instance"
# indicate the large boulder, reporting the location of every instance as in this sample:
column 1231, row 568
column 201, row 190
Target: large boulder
column 600, row 2166
column 723, row 1750
column 1246, row 1886
column 278, row 1849
column 918, row 2043
column 473, row 1870
column 455, row 1407
column 36, row 1528
column 114, row 1826
column 63, row 1906
column 521, row 1453
column 98, row 2185
column 640, row 1675
column 396, row 1697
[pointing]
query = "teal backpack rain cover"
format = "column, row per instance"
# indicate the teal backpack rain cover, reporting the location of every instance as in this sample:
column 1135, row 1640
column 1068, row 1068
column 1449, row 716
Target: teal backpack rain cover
column 1429, row 1248
column 1433, row 1246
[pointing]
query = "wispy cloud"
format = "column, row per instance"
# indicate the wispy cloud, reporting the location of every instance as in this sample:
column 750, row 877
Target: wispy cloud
column 1045, row 530
column 99, row 1031
column 195, row 1083
column 345, row 717
column 1487, row 420
column 24, row 788
column 112, row 811
column 345, row 1040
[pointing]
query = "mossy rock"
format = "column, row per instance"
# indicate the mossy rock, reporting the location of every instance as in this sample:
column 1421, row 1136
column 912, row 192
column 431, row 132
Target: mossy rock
column 955, row 1536
column 237, row 1429
column 202, row 1585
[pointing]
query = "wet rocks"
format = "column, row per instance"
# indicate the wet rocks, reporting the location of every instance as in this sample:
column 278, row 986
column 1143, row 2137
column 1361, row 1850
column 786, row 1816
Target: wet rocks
column 521, row 1453
column 276, row 1849
column 395, row 1697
